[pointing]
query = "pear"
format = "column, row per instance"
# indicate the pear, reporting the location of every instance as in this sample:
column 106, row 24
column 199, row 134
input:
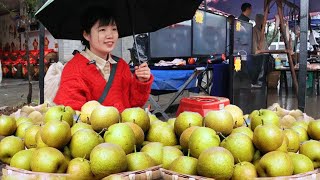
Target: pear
column 22, row 159
column 59, row 112
column 244, row 171
column 78, row 126
column 276, row 163
column 186, row 120
column 21, row 120
column 287, row 121
column 26, row 110
column 265, row 116
column 155, row 151
column 236, row 113
column 79, row 168
column 302, row 124
column 39, row 141
column 163, row 133
column 152, row 118
column 216, row 162
column 9, row 146
column 301, row 163
column 311, row 149
column 302, row 133
column 284, row 145
column 103, row 117
column 267, row 137
column 293, row 140
column 56, row 133
column 87, row 109
column 7, row 125
column 21, row 129
column 220, row 121
column 137, row 116
column 138, row 132
column 296, row 113
column 240, row 146
column 30, row 136
column 82, row 143
column 170, row 154
column 36, row 116
column 107, row 159
column 314, row 130
column 67, row 154
column 244, row 130
column 139, row 161
column 257, row 156
column 122, row 135
column 202, row 139
column 184, row 165
column 49, row 160
column 185, row 136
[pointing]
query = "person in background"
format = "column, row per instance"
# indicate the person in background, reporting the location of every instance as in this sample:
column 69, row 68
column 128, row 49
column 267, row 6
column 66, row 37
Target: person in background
column 257, row 34
column 246, row 9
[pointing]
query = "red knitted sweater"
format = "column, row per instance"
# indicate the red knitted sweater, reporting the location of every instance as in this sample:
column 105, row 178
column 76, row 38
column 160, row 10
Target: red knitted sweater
column 82, row 82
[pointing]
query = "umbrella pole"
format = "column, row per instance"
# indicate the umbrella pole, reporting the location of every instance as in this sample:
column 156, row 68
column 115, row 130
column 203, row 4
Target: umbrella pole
column 41, row 63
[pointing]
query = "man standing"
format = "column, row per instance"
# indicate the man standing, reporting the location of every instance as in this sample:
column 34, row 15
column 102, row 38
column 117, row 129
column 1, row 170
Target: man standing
column 246, row 9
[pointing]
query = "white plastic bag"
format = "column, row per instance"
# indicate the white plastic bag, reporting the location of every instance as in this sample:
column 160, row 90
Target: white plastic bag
column 52, row 81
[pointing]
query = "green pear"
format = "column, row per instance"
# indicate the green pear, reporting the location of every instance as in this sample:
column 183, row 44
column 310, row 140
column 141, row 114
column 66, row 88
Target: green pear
column 216, row 162
column 301, row 163
column 30, row 136
column 21, row 120
column 138, row 132
column 240, row 146
column 294, row 141
column 257, row 155
column 56, row 133
column 7, row 125
column 155, row 151
column 82, row 143
column 152, row 118
column 22, row 128
column 9, row 146
column 26, row 110
column 37, row 117
column 185, row 136
column 103, row 117
column 237, row 114
column 67, row 154
column 311, row 149
column 220, row 121
column 163, row 133
column 244, row 171
column 87, row 109
column 302, row 133
column 122, row 135
column 170, row 154
column 276, row 163
column 284, row 145
column 78, row 126
column 303, row 124
column 22, row 159
column 260, row 171
column 244, row 130
column 287, row 121
column 267, row 137
column 49, row 160
column 263, row 116
column 79, row 169
column 106, row 159
column 137, row 116
column 139, row 161
column 171, row 121
column 59, row 112
column 184, row 165
column 202, row 139
column 314, row 130
column 39, row 141
column 186, row 120
column 296, row 113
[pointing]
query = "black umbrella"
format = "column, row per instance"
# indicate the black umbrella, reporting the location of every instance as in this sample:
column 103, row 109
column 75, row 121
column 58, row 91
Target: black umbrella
column 62, row 17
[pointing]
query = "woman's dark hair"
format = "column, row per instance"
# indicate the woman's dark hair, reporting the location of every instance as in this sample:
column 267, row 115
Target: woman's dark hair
column 93, row 15
column 245, row 6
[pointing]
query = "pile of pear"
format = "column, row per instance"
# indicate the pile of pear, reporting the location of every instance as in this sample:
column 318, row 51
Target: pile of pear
column 98, row 142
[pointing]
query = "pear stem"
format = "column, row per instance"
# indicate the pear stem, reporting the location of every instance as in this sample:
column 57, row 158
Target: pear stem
column 135, row 148
column 262, row 122
column 189, row 124
column 204, row 123
column 78, row 118
column 235, row 123
column 84, row 157
column 222, row 135
column 64, row 109
column 240, row 161
column 88, row 120
column 104, row 129
column 134, row 121
column 61, row 117
column 246, row 122
column 188, row 152
column 259, row 113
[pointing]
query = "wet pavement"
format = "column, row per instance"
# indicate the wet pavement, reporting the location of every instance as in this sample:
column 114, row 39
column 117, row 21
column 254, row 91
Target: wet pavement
column 14, row 92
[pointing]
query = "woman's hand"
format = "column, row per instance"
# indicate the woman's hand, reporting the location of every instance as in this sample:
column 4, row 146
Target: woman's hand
column 143, row 72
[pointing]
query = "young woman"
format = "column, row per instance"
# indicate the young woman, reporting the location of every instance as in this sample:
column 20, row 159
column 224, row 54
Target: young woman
column 95, row 74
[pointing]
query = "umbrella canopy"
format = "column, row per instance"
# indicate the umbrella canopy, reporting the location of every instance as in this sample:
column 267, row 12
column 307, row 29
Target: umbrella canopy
column 62, row 17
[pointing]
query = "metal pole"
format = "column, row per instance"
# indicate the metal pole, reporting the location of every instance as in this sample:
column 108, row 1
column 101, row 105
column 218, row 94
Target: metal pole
column 231, row 57
column 41, row 60
column 304, row 20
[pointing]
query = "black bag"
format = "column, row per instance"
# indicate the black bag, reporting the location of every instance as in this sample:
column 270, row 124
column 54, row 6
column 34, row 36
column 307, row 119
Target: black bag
column 143, row 48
